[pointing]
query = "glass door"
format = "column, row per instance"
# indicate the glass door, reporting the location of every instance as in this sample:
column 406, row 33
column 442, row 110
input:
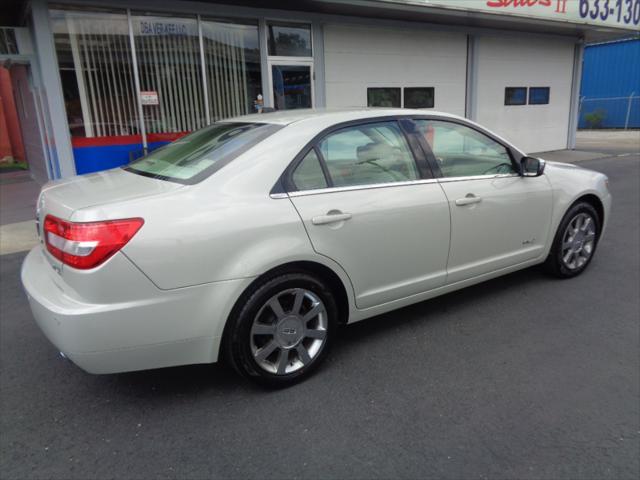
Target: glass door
column 291, row 84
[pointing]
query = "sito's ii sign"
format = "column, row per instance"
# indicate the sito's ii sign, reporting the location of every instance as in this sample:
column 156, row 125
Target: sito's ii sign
column 614, row 13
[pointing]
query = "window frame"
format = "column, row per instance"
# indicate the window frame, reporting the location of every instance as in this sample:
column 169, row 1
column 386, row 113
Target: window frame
column 548, row 89
column 275, row 20
column 428, row 167
column 524, row 102
column 285, row 184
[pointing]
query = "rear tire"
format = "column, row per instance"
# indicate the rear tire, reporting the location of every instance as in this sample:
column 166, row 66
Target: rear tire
column 283, row 330
column 575, row 242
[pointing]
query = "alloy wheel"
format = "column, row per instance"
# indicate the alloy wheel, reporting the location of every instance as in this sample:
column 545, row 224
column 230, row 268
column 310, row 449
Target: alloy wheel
column 289, row 331
column 578, row 241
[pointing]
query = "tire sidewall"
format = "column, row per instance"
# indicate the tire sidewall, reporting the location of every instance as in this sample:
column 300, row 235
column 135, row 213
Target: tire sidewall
column 239, row 338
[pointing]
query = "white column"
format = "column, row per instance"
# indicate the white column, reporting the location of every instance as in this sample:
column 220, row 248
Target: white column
column 136, row 78
column 62, row 153
column 574, row 109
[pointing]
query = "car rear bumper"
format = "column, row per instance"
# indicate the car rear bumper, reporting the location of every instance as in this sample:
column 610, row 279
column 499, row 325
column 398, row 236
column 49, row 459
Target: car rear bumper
column 163, row 328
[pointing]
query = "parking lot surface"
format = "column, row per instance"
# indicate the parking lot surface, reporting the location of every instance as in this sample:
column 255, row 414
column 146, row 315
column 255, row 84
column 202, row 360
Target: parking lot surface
column 522, row 377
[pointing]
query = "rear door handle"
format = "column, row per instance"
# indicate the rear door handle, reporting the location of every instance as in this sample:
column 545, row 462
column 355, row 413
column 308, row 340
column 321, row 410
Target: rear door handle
column 330, row 218
column 469, row 199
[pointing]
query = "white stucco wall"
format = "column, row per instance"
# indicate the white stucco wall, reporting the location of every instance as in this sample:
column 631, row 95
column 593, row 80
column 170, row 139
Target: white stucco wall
column 357, row 57
column 525, row 62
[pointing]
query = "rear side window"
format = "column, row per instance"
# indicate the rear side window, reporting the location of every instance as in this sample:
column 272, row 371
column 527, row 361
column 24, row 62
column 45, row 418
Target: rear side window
column 308, row 174
column 194, row 157
column 368, row 154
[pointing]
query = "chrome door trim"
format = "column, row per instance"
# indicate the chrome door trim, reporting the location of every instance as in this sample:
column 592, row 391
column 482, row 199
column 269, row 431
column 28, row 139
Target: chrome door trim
column 303, row 193
column 477, row 177
column 318, row 191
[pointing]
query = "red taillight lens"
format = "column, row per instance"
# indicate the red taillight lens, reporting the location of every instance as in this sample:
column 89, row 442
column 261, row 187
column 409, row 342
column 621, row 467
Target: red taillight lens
column 87, row 245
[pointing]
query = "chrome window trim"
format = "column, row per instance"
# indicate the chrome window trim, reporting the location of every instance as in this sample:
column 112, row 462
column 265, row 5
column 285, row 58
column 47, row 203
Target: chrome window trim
column 477, row 177
column 318, row 191
column 279, row 195
column 371, row 186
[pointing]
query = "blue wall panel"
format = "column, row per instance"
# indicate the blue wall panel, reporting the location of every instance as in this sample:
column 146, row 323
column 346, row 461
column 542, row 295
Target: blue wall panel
column 93, row 159
column 611, row 70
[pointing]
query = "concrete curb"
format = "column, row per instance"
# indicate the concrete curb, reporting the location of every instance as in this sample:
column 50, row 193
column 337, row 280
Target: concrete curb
column 18, row 237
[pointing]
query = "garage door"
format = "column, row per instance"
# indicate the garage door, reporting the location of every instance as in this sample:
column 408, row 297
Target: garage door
column 534, row 112
column 412, row 67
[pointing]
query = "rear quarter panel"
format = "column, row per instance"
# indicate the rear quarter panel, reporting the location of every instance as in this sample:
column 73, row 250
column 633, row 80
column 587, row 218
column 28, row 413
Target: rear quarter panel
column 226, row 227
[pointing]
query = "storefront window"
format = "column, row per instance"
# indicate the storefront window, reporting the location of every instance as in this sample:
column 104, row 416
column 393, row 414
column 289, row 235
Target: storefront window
column 169, row 67
column 291, row 86
column 289, row 40
column 94, row 57
column 185, row 81
column 232, row 62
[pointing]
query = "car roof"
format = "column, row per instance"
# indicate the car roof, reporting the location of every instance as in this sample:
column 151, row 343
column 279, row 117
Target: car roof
column 287, row 117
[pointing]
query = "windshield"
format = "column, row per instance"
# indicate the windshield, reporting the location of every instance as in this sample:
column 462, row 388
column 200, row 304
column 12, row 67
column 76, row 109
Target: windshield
column 197, row 155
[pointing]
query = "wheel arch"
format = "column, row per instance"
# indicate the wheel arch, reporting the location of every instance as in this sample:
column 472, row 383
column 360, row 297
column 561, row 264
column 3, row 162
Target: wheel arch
column 593, row 200
column 325, row 273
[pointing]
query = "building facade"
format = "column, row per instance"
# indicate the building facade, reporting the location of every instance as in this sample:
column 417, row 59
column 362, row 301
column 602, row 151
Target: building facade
column 105, row 82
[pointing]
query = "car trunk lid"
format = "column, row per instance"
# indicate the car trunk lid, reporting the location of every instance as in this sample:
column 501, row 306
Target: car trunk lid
column 62, row 198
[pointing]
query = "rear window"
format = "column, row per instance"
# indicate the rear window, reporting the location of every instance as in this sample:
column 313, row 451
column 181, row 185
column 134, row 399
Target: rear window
column 194, row 157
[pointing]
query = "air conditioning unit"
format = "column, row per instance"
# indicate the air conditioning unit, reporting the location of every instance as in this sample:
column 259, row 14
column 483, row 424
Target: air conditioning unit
column 15, row 41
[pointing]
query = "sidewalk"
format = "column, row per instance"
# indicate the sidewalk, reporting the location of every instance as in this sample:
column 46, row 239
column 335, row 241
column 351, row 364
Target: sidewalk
column 592, row 144
column 18, row 197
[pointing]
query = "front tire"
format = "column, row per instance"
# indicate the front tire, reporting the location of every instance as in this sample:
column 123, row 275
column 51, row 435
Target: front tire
column 575, row 242
column 282, row 332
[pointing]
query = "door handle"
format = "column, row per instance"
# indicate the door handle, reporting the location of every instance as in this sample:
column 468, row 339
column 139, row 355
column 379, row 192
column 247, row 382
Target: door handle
column 330, row 218
column 469, row 199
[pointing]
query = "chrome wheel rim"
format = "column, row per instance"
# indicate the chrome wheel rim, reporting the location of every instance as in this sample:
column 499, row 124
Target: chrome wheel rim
column 578, row 241
column 289, row 331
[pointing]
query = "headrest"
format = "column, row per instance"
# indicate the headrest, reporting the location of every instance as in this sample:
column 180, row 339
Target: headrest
column 374, row 151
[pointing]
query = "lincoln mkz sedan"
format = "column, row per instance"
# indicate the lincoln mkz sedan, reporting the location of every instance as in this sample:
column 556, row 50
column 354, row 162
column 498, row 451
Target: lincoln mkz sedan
column 254, row 238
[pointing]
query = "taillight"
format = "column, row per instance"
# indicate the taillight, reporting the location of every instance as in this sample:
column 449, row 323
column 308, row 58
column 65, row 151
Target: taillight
column 87, row 245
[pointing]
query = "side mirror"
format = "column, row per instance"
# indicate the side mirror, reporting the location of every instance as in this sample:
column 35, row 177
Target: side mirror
column 531, row 167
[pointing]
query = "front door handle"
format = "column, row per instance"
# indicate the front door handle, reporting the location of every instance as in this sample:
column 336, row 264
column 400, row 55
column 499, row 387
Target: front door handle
column 469, row 199
column 331, row 217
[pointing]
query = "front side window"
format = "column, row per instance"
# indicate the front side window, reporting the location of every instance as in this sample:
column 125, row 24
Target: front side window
column 368, row 154
column 196, row 156
column 462, row 151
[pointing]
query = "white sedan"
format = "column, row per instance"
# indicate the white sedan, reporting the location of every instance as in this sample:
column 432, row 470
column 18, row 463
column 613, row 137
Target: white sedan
column 255, row 237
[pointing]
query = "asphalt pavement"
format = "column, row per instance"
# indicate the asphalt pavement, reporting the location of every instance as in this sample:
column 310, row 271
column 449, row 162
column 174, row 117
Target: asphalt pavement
column 523, row 377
